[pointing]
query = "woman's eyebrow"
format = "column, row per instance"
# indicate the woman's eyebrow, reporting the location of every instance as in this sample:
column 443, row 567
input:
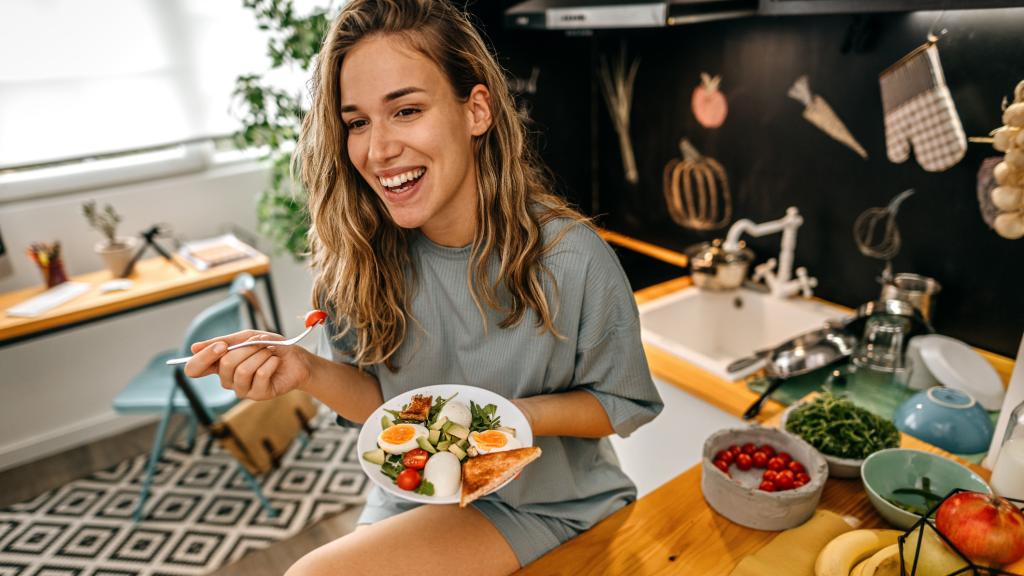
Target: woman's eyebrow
column 390, row 96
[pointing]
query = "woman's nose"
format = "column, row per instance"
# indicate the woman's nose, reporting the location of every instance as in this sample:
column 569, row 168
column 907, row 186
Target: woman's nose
column 383, row 144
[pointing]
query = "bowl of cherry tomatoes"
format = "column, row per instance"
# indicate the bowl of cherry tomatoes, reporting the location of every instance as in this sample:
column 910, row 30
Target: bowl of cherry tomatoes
column 762, row 478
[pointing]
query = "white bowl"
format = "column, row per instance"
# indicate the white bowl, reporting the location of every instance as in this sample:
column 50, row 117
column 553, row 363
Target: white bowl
column 837, row 467
column 738, row 497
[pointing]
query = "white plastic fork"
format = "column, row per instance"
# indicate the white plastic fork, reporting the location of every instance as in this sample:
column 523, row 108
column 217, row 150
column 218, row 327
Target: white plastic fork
column 287, row 342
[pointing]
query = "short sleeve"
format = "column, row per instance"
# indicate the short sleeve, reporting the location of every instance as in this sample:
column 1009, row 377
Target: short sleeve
column 339, row 350
column 610, row 359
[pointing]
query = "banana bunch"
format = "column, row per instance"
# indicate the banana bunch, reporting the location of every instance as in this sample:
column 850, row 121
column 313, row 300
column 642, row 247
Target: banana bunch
column 1008, row 197
column 860, row 553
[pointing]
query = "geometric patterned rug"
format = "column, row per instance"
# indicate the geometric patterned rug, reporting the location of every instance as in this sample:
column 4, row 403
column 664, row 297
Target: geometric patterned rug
column 200, row 514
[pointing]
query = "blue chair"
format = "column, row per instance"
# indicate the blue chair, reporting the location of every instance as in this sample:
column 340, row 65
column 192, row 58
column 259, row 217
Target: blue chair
column 166, row 389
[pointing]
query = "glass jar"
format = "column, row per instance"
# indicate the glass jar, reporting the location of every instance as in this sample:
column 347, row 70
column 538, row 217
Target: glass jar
column 1008, row 472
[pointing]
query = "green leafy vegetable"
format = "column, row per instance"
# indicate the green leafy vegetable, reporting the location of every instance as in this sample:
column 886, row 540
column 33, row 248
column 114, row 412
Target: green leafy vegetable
column 837, row 427
column 425, row 488
column 483, row 417
column 436, row 408
column 392, row 469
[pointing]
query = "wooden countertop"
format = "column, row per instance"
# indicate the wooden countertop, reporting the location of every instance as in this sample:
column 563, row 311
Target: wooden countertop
column 673, row 530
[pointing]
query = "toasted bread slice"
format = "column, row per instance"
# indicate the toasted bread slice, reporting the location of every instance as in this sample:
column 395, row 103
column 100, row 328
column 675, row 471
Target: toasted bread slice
column 483, row 474
column 418, row 409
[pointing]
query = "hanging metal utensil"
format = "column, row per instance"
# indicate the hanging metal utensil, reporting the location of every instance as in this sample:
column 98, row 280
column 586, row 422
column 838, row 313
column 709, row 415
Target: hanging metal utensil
column 876, row 234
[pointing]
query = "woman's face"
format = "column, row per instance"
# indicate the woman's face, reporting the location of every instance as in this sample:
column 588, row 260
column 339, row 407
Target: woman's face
column 412, row 139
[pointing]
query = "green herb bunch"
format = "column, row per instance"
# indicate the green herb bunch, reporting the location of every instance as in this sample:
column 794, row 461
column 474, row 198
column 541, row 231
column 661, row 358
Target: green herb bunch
column 837, row 427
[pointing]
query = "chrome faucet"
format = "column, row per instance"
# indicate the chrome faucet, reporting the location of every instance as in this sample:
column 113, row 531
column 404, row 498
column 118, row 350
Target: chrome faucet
column 780, row 283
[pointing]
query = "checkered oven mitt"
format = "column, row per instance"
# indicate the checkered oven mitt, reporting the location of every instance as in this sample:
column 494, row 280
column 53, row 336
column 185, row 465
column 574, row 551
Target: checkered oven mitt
column 919, row 112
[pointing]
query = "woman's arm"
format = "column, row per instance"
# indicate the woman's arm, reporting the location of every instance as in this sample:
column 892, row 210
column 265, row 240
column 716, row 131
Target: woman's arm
column 577, row 413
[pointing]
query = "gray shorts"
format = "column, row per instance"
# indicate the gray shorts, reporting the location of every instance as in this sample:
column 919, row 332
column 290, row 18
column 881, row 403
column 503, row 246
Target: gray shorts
column 530, row 535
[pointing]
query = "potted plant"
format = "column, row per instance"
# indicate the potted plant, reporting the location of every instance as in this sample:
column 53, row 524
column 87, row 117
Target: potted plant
column 116, row 251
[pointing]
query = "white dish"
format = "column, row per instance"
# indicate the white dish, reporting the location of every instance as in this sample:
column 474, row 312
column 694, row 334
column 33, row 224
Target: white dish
column 510, row 416
column 957, row 365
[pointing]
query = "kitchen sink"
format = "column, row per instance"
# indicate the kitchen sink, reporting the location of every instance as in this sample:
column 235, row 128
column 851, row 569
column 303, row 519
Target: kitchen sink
column 713, row 329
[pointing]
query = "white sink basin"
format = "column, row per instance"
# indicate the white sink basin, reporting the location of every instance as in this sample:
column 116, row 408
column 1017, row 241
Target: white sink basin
column 713, row 329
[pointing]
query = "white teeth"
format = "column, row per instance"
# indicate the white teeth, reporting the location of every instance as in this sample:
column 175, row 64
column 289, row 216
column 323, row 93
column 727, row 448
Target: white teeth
column 402, row 178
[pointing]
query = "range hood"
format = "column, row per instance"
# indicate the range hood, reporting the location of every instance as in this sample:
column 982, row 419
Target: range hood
column 593, row 14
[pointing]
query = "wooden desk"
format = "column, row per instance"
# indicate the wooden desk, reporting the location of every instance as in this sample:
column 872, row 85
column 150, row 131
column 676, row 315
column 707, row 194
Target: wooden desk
column 157, row 281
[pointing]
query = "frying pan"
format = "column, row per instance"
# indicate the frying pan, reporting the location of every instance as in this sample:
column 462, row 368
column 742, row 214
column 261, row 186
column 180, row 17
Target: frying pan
column 803, row 354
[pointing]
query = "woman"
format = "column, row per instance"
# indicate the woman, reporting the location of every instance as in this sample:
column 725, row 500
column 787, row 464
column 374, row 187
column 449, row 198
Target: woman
column 442, row 258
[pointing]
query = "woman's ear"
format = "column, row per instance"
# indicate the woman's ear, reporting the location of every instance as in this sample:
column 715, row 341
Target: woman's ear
column 478, row 107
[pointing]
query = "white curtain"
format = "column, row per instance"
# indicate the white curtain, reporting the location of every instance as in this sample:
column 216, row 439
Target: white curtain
column 86, row 77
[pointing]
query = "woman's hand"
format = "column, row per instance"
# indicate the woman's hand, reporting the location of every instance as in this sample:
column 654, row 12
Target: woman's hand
column 255, row 372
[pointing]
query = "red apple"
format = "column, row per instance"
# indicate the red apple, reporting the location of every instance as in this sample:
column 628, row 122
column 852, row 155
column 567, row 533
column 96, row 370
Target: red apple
column 988, row 529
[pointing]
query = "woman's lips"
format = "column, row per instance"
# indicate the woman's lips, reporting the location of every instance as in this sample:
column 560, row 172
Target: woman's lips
column 405, row 192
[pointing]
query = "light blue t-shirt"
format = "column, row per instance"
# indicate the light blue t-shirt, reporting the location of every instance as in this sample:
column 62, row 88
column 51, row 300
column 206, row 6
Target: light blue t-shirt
column 577, row 480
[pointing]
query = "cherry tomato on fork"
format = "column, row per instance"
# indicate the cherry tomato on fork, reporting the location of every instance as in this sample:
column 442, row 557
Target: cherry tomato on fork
column 408, row 479
column 314, row 317
column 415, row 458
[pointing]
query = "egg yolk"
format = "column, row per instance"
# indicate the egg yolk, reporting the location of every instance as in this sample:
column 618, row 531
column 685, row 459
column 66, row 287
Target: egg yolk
column 490, row 440
column 398, row 434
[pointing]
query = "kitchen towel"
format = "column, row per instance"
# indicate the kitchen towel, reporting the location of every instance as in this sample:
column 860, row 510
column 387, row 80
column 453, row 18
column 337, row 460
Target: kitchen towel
column 919, row 112
column 794, row 551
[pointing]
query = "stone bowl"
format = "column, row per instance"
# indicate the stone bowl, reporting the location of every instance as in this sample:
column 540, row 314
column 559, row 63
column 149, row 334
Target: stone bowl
column 738, row 497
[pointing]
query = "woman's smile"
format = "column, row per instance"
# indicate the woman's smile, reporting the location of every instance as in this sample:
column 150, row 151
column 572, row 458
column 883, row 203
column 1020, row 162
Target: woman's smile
column 401, row 188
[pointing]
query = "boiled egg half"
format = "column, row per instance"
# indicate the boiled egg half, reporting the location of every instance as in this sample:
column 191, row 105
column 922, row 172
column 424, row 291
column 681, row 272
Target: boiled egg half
column 492, row 441
column 400, row 438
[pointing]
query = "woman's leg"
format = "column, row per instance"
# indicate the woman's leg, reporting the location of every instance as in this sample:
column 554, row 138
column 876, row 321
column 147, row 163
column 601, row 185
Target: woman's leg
column 427, row 540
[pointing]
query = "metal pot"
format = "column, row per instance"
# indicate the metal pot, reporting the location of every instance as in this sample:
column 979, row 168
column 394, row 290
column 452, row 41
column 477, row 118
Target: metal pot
column 715, row 268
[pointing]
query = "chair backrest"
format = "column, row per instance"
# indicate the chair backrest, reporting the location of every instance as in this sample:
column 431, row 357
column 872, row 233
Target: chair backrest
column 221, row 318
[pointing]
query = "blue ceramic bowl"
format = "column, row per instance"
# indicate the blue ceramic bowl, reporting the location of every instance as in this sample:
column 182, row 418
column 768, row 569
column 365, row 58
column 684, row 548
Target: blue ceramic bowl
column 947, row 418
column 886, row 471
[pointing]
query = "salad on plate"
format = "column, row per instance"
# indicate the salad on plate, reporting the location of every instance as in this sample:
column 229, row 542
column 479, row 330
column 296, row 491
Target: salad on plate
column 425, row 444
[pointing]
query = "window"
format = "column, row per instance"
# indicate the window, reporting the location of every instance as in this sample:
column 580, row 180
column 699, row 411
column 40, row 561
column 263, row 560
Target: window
column 81, row 78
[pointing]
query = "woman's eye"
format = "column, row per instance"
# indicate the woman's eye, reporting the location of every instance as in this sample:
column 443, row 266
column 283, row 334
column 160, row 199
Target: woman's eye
column 356, row 124
column 408, row 111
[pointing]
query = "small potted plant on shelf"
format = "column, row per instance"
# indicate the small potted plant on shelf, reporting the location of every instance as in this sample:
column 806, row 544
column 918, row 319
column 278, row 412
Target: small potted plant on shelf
column 116, row 251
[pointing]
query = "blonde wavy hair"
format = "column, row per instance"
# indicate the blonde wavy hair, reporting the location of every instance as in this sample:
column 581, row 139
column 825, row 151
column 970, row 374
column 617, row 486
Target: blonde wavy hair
column 360, row 254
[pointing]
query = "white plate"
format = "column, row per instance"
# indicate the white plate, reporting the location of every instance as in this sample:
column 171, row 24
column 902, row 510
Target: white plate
column 511, row 417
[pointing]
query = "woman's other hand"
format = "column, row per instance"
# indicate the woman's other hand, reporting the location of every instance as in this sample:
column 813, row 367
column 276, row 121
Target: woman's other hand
column 254, row 372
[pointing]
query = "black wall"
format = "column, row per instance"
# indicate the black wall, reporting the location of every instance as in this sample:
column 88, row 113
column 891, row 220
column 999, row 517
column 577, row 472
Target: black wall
column 775, row 158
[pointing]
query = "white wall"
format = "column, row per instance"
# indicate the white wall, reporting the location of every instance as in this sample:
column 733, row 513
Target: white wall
column 55, row 391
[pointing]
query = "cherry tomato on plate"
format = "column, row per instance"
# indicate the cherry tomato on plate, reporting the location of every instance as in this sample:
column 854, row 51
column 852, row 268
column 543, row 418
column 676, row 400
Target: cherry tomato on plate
column 408, row 479
column 749, row 448
column 775, row 463
column 767, row 486
column 744, row 461
column 760, row 459
column 796, row 467
column 803, row 477
column 314, row 317
column 768, row 450
column 726, row 456
column 734, row 449
column 415, row 458
column 798, row 483
column 769, row 475
column 786, row 458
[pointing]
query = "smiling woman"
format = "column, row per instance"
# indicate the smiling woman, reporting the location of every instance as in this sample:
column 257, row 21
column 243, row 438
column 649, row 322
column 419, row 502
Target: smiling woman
column 442, row 257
